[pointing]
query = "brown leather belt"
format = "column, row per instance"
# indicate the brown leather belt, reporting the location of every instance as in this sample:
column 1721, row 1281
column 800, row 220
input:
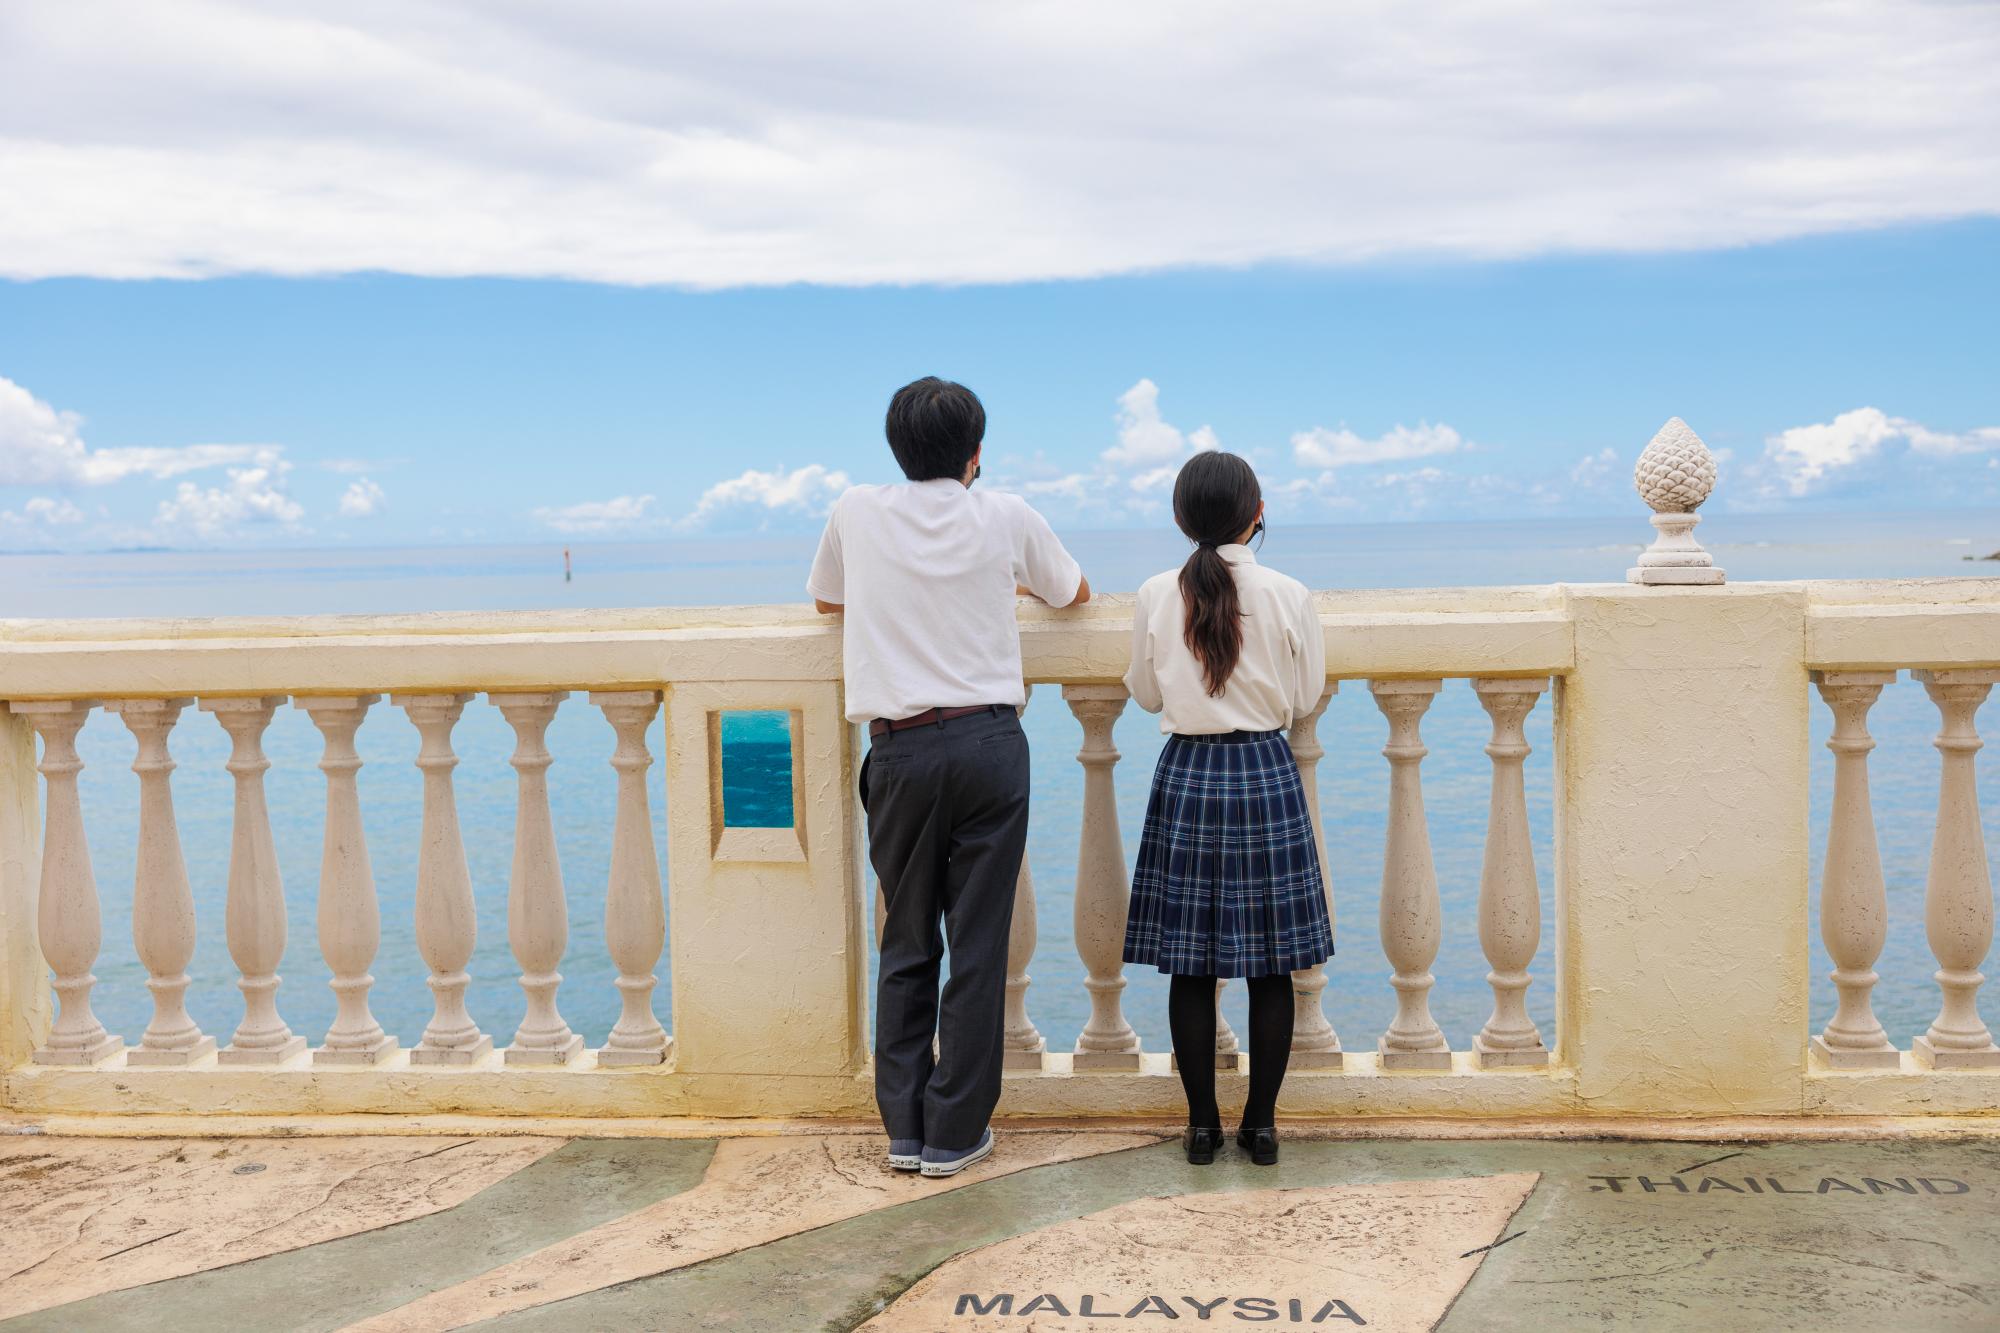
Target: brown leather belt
column 930, row 717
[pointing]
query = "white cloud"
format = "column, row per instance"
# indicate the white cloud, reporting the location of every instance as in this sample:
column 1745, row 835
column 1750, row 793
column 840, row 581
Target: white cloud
column 785, row 142
column 41, row 446
column 596, row 515
column 1595, row 470
column 253, row 495
column 1416, row 477
column 1144, row 438
column 361, row 499
column 42, row 511
column 1323, row 448
column 807, row 490
column 1804, row 458
column 1141, row 465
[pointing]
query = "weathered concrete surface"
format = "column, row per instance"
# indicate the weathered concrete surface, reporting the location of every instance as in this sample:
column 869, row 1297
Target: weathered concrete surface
column 1393, row 1256
column 756, row 1191
column 85, row 1216
column 1744, row 1235
column 330, row 1285
column 1582, row 1258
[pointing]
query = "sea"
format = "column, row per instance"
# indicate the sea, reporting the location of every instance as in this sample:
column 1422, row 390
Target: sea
column 1353, row 777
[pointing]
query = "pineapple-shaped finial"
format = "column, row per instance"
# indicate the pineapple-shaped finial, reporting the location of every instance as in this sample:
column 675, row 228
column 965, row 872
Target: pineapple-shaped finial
column 1675, row 474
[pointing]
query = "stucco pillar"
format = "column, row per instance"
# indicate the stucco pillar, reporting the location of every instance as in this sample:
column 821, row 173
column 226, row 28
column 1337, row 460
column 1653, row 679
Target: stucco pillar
column 25, row 1005
column 769, row 959
column 1682, row 850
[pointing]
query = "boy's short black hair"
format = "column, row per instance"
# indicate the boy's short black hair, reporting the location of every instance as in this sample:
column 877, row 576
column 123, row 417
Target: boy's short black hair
column 934, row 428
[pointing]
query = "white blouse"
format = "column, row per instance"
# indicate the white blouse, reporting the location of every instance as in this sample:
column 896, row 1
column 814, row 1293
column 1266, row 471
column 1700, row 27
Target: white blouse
column 1278, row 679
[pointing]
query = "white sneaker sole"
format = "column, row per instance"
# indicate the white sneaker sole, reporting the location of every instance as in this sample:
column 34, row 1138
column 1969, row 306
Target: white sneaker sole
column 935, row 1170
column 905, row 1163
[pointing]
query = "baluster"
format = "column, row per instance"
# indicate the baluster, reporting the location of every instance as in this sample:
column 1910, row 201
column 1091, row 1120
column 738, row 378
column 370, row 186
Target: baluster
column 350, row 926
column 1958, row 899
column 635, row 917
column 1103, row 892
column 1021, row 1040
column 1410, row 910
column 66, row 915
column 1853, row 905
column 163, row 926
column 1510, row 900
column 256, row 911
column 1226, row 1049
column 447, row 928
column 537, row 916
column 1315, row 1045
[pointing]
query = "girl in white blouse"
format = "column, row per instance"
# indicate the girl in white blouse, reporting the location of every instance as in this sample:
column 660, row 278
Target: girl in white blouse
column 1228, row 881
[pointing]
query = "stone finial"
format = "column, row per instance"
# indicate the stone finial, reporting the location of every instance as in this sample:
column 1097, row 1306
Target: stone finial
column 1676, row 473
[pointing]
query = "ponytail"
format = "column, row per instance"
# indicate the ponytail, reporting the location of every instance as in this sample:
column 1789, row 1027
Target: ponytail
column 1214, row 620
column 1216, row 499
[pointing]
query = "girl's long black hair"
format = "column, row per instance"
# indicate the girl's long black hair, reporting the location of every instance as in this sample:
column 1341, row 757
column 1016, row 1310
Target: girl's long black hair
column 1216, row 497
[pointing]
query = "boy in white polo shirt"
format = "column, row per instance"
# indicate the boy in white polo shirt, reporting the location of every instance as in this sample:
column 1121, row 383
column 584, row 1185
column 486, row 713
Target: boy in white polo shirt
column 926, row 572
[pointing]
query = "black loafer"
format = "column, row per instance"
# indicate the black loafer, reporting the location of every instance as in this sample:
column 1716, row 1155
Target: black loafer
column 1201, row 1145
column 1261, row 1144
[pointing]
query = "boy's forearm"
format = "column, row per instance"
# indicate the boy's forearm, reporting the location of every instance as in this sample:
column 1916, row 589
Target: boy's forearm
column 1082, row 593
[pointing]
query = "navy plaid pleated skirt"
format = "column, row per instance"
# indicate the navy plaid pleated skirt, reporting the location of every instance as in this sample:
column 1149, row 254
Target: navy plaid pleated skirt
column 1228, row 880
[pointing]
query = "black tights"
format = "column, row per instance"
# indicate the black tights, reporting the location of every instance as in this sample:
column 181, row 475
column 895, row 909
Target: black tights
column 1191, row 1018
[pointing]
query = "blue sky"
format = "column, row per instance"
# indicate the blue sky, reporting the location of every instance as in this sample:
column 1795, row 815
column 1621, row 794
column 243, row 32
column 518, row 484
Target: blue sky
column 260, row 300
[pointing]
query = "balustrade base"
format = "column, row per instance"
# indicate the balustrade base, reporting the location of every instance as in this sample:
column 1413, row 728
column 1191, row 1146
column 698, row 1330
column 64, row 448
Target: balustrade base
column 1333, row 1059
column 1412, row 1060
column 357, row 1055
column 1105, row 1062
column 1672, row 576
column 613, row 1057
column 1225, row 1062
column 452, row 1055
column 1942, row 1057
column 1501, row 1057
column 1024, row 1059
column 233, row 1054
column 144, row 1057
column 1843, row 1057
column 81, row 1055
column 546, row 1055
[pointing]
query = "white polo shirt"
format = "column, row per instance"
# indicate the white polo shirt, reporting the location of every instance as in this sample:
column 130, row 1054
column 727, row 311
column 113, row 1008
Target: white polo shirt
column 926, row 572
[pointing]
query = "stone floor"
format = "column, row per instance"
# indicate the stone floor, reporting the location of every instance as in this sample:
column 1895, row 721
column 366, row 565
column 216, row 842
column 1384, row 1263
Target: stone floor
column 1060, row 1230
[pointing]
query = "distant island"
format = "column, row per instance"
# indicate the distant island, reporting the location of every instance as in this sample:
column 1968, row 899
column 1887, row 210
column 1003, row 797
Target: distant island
column 1994, row 556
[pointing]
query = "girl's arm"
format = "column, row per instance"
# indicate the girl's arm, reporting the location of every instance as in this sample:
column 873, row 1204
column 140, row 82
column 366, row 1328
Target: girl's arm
column 1309, row 659
column 1140, row 679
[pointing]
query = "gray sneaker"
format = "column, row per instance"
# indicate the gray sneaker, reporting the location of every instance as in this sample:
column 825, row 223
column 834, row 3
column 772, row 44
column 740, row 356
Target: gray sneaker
column 943, row 1162
column 906, row 1154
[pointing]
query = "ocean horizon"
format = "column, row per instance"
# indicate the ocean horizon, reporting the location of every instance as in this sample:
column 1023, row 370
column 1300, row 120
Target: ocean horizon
column 771, row 568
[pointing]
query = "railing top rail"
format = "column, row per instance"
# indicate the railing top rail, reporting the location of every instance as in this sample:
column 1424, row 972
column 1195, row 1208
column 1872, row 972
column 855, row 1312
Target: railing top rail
column 1425, row 632
column 1879, row 624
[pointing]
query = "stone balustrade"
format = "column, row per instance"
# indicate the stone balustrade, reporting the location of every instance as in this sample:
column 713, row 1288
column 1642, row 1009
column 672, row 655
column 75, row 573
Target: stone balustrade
column 1680, row 864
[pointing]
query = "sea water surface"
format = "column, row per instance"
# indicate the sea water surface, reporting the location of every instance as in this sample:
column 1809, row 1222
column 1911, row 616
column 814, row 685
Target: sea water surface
column 1353, row 777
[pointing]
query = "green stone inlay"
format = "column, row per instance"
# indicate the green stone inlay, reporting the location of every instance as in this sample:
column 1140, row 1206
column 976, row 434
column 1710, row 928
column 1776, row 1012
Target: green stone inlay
column 1627, row 1257
column 327, row 1286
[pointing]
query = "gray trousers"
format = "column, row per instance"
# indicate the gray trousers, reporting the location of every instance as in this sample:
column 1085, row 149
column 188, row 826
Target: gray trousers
column 947, row 825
